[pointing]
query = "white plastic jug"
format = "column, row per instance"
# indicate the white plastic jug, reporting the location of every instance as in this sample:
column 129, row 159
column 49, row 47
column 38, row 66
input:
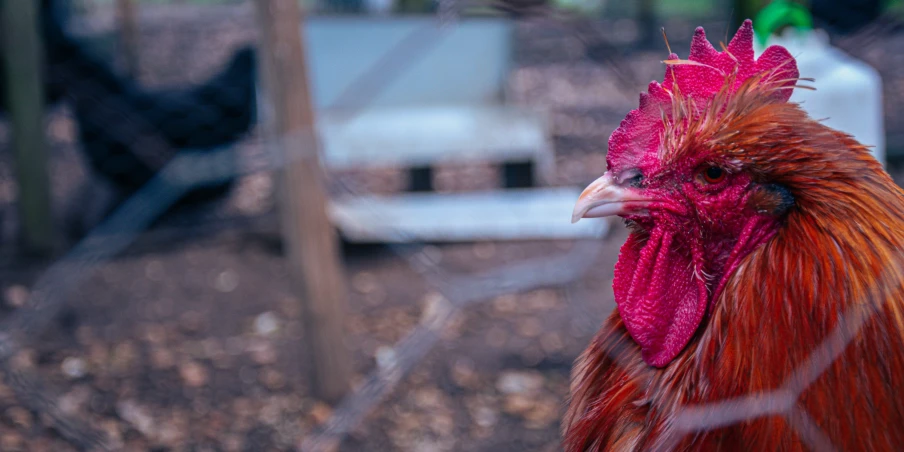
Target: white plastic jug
column 848, row 92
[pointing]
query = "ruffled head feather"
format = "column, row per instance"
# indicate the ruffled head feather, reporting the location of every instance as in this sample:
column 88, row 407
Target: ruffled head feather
column 705, row 74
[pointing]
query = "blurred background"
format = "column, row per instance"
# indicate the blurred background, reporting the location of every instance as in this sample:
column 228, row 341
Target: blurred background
column 255, row 225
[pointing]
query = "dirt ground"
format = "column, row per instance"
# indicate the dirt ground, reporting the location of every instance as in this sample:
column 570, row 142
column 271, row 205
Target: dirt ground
column 193, row 342
column 183, row 350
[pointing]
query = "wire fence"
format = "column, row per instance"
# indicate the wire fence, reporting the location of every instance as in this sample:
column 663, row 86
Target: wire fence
column 187, row 170
column 161, row 149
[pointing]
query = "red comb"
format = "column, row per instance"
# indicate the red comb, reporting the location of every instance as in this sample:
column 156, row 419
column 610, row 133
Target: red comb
column 700, row 77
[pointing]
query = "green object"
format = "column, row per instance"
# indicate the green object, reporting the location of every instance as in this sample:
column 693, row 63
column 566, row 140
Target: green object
column 587, row 7
column 778, row 14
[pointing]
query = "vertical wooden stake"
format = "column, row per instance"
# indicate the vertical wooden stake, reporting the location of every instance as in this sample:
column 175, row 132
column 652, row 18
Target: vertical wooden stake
column 128, row 34
column 23, row 52
column 308, row 235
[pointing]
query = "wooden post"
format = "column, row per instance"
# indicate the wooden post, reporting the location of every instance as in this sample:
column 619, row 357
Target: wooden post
column 23, row 52
column 308, row 235
column 128, row 34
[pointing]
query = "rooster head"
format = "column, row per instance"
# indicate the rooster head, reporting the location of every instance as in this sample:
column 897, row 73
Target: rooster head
column 694, row 209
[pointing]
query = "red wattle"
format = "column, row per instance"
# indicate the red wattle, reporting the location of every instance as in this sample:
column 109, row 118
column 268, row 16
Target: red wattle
column 660, row 299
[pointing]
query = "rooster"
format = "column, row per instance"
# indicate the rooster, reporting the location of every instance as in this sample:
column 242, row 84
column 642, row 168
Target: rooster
column 759, row 294
column 129, row 133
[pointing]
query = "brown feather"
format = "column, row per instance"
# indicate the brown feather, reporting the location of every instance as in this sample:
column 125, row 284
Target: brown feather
column 829, row 285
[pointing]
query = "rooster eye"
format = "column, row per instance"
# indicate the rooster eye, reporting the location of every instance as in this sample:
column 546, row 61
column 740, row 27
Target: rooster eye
column 713, row 175
column 636, row 181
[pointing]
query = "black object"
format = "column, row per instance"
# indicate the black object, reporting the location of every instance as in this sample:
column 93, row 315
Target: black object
column 844, row 16
column 420, row 179
column 518, row 174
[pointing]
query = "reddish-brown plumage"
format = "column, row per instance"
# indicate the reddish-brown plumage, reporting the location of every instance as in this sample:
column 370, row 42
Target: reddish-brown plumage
column 817, row 308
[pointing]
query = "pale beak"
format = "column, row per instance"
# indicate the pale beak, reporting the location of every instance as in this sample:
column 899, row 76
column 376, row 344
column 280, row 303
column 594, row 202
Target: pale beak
column 606, row 197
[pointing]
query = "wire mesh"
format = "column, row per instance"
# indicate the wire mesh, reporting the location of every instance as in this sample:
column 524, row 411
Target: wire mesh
column 163, row 156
